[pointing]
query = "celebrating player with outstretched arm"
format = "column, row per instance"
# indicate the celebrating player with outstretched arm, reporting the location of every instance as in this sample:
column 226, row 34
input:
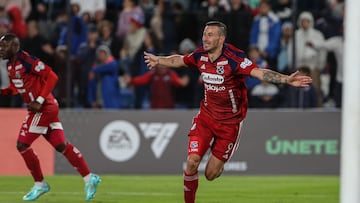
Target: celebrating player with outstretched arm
column 34, row 81
column 217, row 126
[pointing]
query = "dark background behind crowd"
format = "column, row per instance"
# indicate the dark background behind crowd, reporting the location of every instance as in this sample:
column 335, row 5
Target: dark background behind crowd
column 107, row 39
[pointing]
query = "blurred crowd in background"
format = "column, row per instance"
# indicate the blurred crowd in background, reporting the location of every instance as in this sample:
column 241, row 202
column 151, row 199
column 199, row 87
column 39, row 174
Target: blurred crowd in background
column 96, row 48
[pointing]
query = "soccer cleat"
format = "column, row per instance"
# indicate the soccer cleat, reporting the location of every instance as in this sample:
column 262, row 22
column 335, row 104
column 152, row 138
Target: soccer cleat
column 36, row 192
column 91, row 186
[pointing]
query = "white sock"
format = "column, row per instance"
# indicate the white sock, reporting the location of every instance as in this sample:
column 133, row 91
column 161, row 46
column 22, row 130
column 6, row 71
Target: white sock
column 39, row 184
column 87, row 178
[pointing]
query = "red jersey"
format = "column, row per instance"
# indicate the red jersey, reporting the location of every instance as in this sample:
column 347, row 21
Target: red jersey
column 161, row 88
column 225, row 92
column 28, row 77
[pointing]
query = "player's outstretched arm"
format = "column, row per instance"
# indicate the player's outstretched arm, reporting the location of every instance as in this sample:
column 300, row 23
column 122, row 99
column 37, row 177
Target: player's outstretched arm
column 173, row 61
column 295, row 79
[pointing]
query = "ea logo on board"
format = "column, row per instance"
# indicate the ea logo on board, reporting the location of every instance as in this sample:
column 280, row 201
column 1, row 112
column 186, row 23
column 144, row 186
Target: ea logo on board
column 119, row 141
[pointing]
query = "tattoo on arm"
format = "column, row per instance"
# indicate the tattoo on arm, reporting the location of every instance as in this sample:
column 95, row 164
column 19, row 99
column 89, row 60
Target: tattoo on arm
column 273, row 77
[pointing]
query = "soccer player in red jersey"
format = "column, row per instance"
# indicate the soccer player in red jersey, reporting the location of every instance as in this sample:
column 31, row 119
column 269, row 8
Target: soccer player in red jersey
column 34, row 81
column 217, row 126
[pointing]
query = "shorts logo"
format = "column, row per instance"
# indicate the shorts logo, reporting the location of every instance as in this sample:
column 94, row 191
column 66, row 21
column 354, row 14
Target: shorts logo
column 194, row 146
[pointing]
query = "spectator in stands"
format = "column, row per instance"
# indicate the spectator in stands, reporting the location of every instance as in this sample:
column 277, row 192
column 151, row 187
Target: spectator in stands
column 264, row 95
column 210, row 10
column 190, row 95
column 164, row 25
column 137, row 67
column 24, row 6
column 108, row 38
column 285, row 54
column 5, row 101
column 135, row 36
column 255, row 56
column 43, row 17
column 91, row 6
column 162, row 81
column 282, row 9
column 266, row 32
column 78, row 32
column 37, row 45
column 336, row 45
column 130, row 8
column 4, row 23
column 106, row 73
column 239, row 21
column 84, row 62
column 330, row 23
column 60, row 68
column 130, row 52
column 17, row 23
column 306, row 55
column 305, row 97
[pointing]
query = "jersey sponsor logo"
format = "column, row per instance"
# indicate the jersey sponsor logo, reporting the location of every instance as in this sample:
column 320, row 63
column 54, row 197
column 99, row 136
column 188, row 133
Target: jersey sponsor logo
column 212, row 78
column 210, row 87
column 18, row 83
column 203, row 67
column 120, row 140
column 245, row 63
column 204, row 58
column 222, row 63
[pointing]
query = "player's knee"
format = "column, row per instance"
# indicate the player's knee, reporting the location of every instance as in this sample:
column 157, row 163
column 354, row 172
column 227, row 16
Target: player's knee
column 21, row 146
column 61, row 147
column 211, row 175
column 192, row 164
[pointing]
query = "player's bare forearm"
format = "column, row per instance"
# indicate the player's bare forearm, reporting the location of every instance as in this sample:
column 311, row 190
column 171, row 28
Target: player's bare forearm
column 274, row 77
column 174, row 61
column 295, row 79
column 269, row 76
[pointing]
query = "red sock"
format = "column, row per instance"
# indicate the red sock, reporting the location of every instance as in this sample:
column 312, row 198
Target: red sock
column 190, row 186
column 33, row 164
column 76, row 159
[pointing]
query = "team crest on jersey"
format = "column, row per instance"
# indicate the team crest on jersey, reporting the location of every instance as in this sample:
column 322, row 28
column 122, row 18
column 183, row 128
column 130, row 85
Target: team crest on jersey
column 220, row 70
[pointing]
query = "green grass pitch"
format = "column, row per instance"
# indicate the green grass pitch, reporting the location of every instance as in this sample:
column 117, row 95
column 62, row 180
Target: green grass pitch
column 169, row 189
